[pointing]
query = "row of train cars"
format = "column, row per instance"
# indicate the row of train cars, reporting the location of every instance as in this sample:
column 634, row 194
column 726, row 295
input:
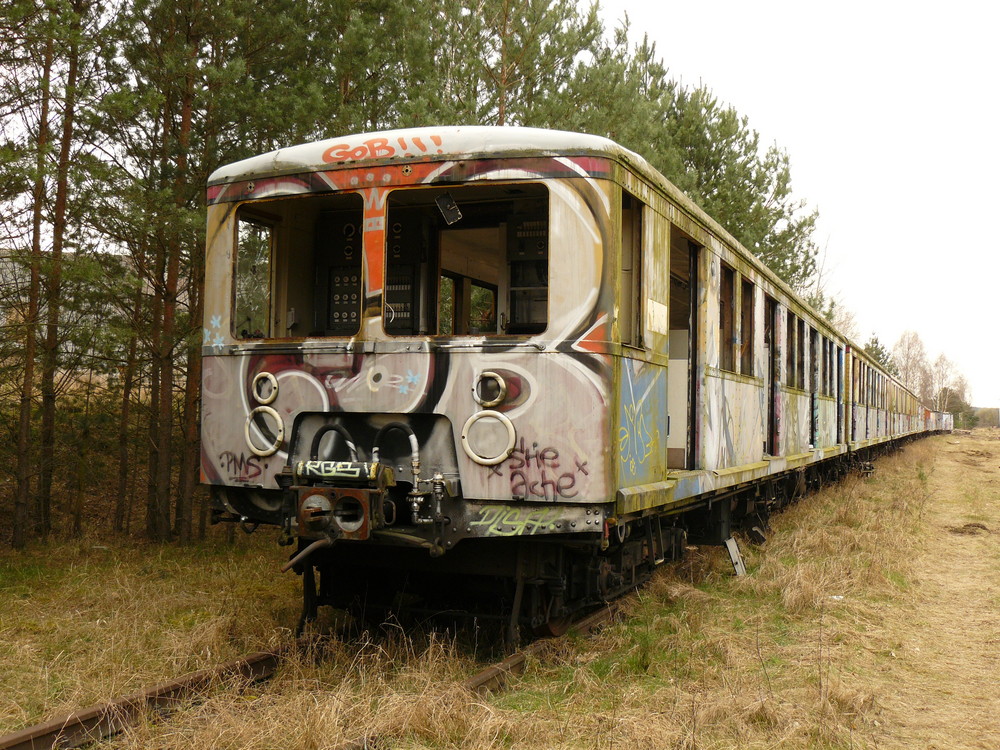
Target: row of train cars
column 510, row 364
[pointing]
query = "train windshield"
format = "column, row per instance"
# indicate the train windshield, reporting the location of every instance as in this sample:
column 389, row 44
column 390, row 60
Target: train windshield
column 459, row 261
column 298, row 267
column 467, row 260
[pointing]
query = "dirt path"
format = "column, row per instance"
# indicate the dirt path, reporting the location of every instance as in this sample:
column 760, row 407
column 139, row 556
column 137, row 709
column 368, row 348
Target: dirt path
column 947, row 664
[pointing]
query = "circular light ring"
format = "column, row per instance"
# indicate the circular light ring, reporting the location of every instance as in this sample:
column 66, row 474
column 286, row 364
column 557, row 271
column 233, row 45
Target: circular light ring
column 278, row 438
column 486, row 460
column 255, row 387
column 501, row 385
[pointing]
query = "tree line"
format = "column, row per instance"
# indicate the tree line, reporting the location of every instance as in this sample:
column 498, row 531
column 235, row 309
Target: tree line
column 112, row 116
column 938, row 382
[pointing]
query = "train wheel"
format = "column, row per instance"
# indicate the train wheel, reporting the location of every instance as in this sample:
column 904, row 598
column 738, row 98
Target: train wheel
column 553, row 628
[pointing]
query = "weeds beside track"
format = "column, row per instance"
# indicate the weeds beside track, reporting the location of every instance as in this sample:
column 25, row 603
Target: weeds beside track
column 856, row 627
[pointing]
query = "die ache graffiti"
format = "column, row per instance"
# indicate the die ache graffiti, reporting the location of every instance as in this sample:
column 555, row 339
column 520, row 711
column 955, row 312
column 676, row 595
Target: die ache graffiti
column 538, row 472
column 384, row 148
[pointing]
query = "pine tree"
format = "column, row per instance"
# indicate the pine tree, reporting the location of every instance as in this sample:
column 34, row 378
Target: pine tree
column 880, row 354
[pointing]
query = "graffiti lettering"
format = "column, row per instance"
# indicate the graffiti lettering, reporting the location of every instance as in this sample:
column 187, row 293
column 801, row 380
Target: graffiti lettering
column 547, row 486
column 334, row 470
column 635, row 439
column 537, row 472
column 643, row 394
column 380, row 148
column 523, row 457
column 502, row 520
column 240, row 468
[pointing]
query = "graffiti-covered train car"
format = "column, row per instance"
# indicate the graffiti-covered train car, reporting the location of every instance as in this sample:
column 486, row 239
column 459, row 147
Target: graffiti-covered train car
column 512, row 361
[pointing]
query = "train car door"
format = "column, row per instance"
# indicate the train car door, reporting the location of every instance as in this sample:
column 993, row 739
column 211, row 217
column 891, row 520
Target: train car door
column 682, row 382
column 840, row 395
column 814, row 376
column 771, row 374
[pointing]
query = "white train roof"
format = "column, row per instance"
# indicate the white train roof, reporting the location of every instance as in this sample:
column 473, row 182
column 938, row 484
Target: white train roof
column 468, row 142
column 410, row 144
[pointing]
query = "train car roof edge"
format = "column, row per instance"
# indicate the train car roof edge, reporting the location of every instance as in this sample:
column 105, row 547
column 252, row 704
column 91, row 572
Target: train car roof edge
column 468, row 142
column 484, row 141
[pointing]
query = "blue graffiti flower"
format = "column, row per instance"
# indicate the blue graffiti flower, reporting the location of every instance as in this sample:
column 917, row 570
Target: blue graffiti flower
column 411, row 378
column 216, row 321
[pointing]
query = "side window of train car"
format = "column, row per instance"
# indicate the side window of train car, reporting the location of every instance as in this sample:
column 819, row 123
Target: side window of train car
column 831, row 369
column 252, row 278
column 812, row 368
column 467, row 261
column 631, row 294
column 791, row 329
column 800, row 356
column 746, row 328
column 827, row 367
column 727, row 329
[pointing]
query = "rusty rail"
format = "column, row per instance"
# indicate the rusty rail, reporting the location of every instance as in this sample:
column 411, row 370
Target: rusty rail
column 103, row 720
column 494, row 677
column 106, row 719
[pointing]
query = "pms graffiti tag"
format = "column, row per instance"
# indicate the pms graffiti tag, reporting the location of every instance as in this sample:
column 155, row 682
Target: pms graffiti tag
column 539, row 473
column 239, row 467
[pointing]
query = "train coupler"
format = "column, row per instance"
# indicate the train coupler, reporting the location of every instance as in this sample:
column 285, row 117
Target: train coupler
column 340, row 512
column 341, row 499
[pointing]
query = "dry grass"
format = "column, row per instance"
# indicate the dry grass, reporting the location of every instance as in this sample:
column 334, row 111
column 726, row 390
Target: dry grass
column 81, row 623
column 815, row 648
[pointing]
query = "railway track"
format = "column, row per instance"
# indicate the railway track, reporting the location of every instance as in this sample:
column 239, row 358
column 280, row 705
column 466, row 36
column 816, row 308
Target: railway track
column 107, row 719
column 495, row 677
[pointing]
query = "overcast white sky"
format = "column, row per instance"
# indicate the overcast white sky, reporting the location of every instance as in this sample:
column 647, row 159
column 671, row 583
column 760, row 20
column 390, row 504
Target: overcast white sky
column 890, row 112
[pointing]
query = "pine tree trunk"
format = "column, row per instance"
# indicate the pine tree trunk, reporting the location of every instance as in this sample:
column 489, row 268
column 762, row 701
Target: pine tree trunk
column 25, row 452
column 164, row 402
column 191, row 459
column 152, row 514
column 82, row 442
column 187, row 479
column 51, row 346
column 161, row 386
column 128, row 379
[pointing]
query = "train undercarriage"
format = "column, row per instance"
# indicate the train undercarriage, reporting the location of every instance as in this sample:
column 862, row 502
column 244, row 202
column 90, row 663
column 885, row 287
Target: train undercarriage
column 539, row 584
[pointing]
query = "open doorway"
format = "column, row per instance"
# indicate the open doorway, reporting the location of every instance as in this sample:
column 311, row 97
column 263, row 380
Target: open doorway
column 682, row 387
column 771, row 374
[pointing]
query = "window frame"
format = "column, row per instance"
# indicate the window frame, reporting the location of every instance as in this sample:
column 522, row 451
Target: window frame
column 727, row 318
column 247, row 214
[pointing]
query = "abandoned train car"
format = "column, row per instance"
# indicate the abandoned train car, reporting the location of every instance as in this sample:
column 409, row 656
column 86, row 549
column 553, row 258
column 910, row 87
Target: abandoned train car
column 517, row 357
